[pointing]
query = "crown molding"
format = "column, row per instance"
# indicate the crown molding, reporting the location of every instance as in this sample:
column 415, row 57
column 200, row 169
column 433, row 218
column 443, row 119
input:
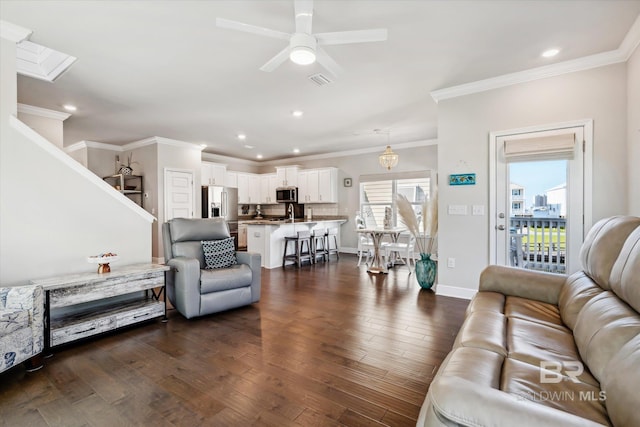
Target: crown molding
column 219, row 158
column 160, row 140
column 13, row 32
column 92, row 144
column 622, row 54
column 43, row 112
column 631, row 40
column 376, row 149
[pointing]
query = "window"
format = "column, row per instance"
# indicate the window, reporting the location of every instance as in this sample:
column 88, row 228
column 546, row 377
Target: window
column 377, row 194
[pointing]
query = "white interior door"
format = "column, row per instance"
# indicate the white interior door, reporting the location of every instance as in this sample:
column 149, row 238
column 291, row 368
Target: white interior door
column 538, row 240
column 179, row 194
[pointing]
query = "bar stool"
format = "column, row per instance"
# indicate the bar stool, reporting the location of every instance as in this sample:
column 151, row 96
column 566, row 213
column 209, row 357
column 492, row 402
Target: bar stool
column 319, row 245
column 332, row 235
column 298, row 244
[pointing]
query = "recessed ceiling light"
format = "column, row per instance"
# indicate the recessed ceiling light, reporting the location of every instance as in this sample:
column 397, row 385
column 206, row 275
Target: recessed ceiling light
column 550, row 53
column 242, row 136
column 250, row 147
column 69, row 107
column 259, row 156
column 297, row 113
column 296, row 150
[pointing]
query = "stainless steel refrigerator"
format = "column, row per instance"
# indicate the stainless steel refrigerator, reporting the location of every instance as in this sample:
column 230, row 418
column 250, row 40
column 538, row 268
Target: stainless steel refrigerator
column 221, row 202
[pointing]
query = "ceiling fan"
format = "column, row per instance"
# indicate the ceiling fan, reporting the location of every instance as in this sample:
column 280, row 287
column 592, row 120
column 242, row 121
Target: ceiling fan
column 304, row 47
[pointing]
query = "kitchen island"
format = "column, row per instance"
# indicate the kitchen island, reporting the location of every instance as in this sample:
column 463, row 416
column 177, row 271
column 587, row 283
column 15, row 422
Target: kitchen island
column 266, row 237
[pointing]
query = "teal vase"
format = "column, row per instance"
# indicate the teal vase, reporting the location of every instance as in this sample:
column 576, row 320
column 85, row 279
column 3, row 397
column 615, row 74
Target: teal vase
column 426, row 269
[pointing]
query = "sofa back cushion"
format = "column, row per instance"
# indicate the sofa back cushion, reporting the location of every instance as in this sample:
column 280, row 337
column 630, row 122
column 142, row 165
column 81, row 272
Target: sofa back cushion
column 603, row 244
column 604, row 325
column 187, row 229
column 186, row 235
column 625, row 275
column 620, row 383
column 577, row 290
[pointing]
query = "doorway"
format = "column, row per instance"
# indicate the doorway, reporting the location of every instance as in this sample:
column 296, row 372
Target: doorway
column 540, row 187
column 179, row 194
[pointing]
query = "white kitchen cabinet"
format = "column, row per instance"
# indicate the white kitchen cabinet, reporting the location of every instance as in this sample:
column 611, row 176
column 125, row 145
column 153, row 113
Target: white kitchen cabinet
column 287, row 176
column 328, row 185
column 318, row 186
column 248, row 188
column 268, row 184
column 231, row 179
column 213, row 173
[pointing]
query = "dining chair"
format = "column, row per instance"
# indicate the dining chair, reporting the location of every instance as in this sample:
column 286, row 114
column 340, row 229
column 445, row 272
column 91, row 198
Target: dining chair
column 401, row 251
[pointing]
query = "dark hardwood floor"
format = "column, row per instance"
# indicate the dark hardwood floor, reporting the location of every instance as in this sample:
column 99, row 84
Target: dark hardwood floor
column 328, row 344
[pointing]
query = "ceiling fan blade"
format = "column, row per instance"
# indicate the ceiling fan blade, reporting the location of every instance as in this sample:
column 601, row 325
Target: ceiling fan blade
column 327, row 62
column 346, row 37
column 304, row 15
column 253, row 29
column 276, row 61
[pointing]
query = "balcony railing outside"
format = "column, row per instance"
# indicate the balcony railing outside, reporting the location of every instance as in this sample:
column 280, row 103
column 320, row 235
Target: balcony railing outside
column 539, row 243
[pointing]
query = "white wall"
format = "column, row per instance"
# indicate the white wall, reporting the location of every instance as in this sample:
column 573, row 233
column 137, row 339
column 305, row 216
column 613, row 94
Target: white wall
column 464, row 124
column 52, row 217
column 633, row 131
column 51, row 129
column 353, row 166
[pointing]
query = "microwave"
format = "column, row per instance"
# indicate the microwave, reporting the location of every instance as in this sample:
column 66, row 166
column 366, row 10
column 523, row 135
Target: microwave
column 287, row 194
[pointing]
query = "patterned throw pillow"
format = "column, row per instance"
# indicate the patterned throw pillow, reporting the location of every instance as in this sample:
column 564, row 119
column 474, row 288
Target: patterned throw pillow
column 219, row 253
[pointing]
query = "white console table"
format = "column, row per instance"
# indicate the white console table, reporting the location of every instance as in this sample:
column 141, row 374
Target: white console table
column 82, row 305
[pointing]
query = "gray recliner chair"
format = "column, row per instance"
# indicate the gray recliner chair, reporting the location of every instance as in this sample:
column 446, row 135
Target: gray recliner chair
column 192, row 289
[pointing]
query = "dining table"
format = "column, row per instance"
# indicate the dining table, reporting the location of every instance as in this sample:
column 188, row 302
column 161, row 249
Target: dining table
column 377, row 234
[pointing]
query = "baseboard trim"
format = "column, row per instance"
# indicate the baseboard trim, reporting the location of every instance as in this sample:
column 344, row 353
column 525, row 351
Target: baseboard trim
column 455, row 292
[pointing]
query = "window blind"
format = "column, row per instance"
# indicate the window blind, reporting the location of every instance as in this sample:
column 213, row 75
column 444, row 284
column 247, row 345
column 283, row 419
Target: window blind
column 540, row 148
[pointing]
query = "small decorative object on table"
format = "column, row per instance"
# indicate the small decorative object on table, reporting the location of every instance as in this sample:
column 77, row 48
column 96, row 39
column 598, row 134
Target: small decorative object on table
column 127, row 169
column 426, row 268
column 103, row 261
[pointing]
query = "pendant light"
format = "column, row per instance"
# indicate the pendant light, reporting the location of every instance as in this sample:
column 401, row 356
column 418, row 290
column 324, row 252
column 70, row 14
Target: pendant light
column 388, row 158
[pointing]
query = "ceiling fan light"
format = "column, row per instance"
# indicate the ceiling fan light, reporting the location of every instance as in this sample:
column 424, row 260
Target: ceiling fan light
column 302, row 55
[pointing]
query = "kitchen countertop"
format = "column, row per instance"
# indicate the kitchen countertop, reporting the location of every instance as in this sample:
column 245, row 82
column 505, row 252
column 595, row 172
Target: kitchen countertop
column 279, row 221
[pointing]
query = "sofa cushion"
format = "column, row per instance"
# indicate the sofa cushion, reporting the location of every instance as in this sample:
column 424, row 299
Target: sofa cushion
column 602, row 245
column 605, row 324
column 482, row 367
column 576, row 292
column 487, row 301
column 625, row 274
column 534, row 311
column 187, row 229
column 219, row 253
column 549, row 388
column 483, row 329
column 236, row 276
column 12, row 320
column 620, row 383
column 190, row 249
column 536, row 343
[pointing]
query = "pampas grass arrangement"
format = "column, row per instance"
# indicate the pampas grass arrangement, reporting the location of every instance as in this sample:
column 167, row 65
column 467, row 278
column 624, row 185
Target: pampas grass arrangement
column 426, row 237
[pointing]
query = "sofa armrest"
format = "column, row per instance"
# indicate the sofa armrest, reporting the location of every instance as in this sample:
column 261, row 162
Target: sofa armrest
column 536, row 285
column 469, row 404
column 253, row 260
column 185, row 284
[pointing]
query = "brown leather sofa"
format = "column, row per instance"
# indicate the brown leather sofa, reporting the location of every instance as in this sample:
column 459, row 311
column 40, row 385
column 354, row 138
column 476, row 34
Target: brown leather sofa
column 538, row 349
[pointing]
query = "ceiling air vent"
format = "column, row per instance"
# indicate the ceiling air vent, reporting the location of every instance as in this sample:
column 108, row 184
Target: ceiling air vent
column 320, row 79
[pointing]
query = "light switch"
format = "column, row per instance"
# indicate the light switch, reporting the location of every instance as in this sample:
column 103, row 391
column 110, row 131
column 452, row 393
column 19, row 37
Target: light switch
column 477, row 210
column 457, row 210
